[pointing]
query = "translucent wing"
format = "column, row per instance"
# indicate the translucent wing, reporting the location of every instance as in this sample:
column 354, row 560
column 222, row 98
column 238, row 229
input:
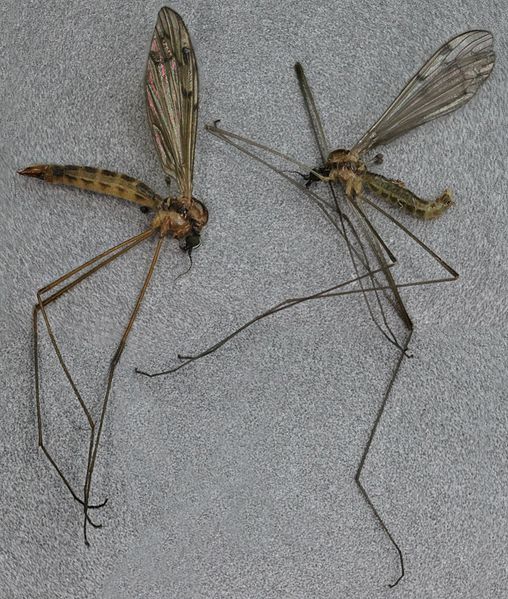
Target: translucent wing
column 448, row 80
column 171, row 86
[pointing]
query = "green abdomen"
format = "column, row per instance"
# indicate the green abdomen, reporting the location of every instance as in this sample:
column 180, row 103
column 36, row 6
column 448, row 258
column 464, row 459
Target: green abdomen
column 395, row 192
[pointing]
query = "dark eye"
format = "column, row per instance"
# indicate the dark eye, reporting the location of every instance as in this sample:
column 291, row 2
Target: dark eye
column 192, row 241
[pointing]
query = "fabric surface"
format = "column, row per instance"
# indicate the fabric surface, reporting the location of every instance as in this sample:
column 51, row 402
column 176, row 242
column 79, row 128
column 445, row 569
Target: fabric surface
column 235, row 476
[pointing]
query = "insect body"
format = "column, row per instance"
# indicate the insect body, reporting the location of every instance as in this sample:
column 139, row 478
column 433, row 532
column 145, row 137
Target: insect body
column 171, row 88
column 446, row 81
column 346, row 168
column 181, row 217
column 396, row 192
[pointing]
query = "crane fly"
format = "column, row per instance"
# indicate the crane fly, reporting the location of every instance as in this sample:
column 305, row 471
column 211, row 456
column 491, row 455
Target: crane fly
column 447, row 81
column 171, row 88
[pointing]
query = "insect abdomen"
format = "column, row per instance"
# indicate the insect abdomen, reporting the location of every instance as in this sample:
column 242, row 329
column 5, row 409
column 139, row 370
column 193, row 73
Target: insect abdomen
column 397, row 193
column 96, row 179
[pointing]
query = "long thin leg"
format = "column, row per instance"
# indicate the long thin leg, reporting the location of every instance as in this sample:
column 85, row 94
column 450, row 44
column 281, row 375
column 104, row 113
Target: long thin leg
column 218, row 132
column 454, row 274
column 387, row 273
column 228, row 137
column 290, row 303
column 106, row 257
column 317, row 200
column 394, row 299
column 39, row 417
column 360, row 254
column 408, row 324
column 324, row 150
column 284, row 305
column 94, row 442
column 323, row 206
column 375, row 244
column 366, row 451
column 313, row 113
column 322, row 294
column 119, row 249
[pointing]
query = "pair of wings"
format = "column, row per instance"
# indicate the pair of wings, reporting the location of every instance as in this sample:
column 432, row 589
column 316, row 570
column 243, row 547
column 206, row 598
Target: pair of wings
column 445, row 82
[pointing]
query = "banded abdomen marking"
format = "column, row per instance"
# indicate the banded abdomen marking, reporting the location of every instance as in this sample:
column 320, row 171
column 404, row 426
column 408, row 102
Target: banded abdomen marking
column 395, row 192
column 98, row 180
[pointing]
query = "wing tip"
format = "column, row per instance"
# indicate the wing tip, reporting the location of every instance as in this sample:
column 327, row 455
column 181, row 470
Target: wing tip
column 167, row 14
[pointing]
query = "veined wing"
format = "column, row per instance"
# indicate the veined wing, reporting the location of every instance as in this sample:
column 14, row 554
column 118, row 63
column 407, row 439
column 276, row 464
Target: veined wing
column 447, row 81
column 171, row 86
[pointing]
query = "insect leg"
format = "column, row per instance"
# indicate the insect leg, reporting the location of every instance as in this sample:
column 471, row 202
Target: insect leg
column 284, row 305
column 94, row 440
column 408, row 324
column 312, row 111
column 227, row 136
column 454, row 274
column 326, row 210
column 365, row 453
column 376, row 245
column 102, row 259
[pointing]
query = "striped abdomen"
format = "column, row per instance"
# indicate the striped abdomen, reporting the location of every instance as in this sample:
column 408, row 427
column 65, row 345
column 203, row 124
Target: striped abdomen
column 395, row 192
column 98, row 180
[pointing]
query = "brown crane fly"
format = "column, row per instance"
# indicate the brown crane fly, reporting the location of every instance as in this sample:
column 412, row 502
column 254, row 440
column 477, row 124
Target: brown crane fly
column 171, row 87
column 447, row 81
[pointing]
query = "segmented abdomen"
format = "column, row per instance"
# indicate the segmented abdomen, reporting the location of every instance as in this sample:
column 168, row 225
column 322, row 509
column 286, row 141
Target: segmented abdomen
column 395, row 192
column 96, row 179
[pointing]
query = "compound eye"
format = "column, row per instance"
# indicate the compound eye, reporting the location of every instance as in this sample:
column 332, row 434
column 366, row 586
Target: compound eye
column 192, row 241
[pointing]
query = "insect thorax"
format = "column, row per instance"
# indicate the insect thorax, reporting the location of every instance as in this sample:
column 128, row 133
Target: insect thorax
column 345, row 159
column 180, row 217
column 346, row 167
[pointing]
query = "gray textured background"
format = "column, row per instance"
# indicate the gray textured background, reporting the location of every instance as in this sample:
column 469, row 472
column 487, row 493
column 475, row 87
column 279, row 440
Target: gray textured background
column 234, row 478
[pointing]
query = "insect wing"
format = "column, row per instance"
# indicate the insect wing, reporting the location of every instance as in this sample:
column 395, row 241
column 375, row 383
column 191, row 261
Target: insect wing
column 447, row 81
column 171, row 86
